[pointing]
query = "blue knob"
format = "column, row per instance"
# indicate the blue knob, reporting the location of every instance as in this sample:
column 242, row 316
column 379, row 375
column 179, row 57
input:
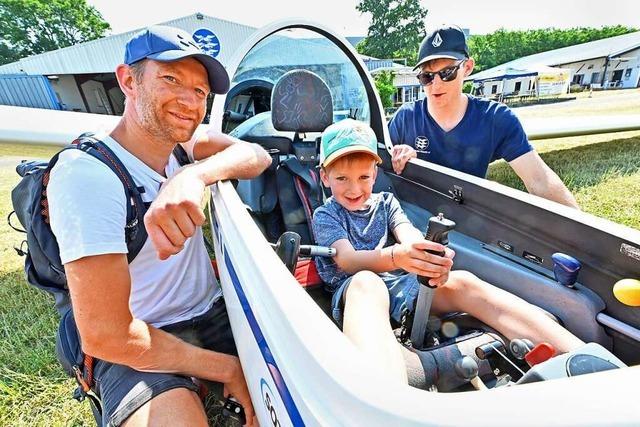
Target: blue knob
column 565, row 269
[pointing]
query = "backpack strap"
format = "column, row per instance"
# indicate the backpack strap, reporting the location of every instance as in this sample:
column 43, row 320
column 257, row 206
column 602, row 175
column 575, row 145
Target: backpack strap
column 135, row 232
column 181, row 155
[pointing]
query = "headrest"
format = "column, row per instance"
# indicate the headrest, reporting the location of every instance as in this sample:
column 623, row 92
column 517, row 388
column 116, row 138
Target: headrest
column 301, row 102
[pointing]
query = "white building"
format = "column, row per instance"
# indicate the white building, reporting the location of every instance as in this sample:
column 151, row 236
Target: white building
column 606, row 63
column 82, row 76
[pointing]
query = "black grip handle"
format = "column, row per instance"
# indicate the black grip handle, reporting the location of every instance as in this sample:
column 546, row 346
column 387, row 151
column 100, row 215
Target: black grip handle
column 234, row 410
column 438, row 229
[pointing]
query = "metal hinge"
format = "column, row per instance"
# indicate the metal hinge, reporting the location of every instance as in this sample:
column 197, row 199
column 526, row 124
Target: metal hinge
column 456, row 194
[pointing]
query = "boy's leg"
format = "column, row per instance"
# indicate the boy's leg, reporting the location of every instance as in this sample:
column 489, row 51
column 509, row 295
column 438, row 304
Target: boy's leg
column 510, row 315
column 366, row 323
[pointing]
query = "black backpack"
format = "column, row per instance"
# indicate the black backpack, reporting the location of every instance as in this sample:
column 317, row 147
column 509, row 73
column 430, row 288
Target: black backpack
column 43, row 267
column 42, row 264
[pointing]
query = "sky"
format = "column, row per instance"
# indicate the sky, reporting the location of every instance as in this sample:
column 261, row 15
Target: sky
column 480, row 17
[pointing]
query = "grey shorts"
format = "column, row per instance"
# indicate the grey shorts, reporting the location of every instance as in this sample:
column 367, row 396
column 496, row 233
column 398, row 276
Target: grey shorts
column 123, row 390
column 403, row 291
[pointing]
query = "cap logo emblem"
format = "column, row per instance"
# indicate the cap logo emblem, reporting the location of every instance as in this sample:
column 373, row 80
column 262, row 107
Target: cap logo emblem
column 437, row 40
column 207, row 41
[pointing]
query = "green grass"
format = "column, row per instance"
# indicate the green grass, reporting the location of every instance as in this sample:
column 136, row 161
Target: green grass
column 603, row 176
column 34, row 391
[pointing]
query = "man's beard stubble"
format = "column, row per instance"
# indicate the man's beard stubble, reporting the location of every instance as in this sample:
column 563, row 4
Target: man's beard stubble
column 162, row 132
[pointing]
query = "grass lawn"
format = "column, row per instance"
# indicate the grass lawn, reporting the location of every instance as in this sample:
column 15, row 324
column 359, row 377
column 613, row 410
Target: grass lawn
column 603, row 171
column 603, row 175
column 33, row 389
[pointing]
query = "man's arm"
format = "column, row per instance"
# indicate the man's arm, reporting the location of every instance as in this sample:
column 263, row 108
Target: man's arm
column 540, row 180
column 100, row 287
column 177, row 210
column 247, row 160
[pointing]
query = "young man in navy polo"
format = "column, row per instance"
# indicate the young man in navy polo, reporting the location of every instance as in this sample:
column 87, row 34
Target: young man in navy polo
column 463, row 132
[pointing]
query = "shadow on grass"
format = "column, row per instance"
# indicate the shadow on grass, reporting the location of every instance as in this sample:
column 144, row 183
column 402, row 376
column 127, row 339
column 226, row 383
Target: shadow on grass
column 581, row 167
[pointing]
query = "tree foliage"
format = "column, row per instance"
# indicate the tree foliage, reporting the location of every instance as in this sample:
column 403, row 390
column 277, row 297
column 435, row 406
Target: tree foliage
column 29, row 27
column 384, row 85
column 396, row 28
column 504, row 45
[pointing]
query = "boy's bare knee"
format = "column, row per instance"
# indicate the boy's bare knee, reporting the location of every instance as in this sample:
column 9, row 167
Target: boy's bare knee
column 176, row 407
column 367, row 285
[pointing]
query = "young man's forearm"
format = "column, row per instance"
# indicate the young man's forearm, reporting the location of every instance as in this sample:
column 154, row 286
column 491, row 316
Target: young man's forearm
column 557, row 192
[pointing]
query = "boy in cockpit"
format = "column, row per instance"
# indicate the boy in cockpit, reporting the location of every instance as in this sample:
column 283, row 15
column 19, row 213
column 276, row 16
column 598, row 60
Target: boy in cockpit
column 373, row 280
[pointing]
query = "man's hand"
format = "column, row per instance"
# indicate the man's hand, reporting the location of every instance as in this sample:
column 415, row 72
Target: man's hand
column 174, row 215
column 400, row 155
column 413, row 258
column 237, row 388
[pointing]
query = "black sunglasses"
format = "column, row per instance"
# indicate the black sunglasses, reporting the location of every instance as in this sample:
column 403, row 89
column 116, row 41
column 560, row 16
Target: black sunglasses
column 446, row 74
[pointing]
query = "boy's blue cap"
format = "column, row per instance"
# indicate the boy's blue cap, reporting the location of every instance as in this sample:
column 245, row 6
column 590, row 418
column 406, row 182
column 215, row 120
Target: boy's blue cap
column 167, row 44
column 345, row 137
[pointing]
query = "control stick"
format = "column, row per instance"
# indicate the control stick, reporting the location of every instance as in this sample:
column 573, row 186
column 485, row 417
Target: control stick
column 288, row 248
column 520, row 347
column 437, row 231
column 467, row 368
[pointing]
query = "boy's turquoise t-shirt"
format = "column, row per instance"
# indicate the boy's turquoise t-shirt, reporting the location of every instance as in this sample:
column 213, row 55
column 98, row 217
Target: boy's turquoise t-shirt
column 366, row 230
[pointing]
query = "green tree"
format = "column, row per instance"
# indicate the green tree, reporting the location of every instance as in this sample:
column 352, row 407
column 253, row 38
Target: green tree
column 384, row 85
column 396, row 28
column 29, row 27
column 504, row 45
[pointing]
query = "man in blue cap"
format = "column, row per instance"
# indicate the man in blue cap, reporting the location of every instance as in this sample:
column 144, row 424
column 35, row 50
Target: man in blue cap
column 463, row 132
column 135, row 317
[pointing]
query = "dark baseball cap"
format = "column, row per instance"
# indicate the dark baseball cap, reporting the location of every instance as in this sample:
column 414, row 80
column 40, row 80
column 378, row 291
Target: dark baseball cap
column 444, row 42
column 167, row 44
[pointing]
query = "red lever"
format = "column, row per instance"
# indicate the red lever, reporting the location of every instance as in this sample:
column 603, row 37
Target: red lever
column 540, row 353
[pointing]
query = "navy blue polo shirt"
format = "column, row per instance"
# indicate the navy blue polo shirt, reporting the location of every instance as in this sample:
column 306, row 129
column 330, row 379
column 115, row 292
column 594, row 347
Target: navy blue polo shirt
column 488, row 131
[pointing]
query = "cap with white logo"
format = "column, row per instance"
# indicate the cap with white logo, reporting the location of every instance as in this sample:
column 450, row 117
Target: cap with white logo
column 444, row 42
column 345, row 137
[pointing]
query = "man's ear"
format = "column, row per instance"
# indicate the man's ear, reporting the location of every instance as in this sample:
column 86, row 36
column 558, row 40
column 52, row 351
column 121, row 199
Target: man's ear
column 324, row 178
column 125, row 79
column 468, row 66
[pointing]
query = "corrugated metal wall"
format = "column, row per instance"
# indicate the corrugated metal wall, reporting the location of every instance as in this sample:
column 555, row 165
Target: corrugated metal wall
column 103, row 55
column 27, row 91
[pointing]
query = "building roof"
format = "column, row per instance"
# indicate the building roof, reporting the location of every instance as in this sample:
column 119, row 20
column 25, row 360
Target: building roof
column 611, row 47
column 506, row 73
column 354, row 40
column 103, row 55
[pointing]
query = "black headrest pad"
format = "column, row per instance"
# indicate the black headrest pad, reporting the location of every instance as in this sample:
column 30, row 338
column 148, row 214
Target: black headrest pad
column 301, row 102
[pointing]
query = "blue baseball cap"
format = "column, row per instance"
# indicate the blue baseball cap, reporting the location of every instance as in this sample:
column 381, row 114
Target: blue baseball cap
column 345, row 137
column 167, row 44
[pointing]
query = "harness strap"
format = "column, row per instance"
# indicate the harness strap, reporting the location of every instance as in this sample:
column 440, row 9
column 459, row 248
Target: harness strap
column 85, row 382
column 309, row 189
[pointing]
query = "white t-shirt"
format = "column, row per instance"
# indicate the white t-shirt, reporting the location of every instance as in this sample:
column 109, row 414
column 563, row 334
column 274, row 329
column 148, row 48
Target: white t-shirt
column 87, row 209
